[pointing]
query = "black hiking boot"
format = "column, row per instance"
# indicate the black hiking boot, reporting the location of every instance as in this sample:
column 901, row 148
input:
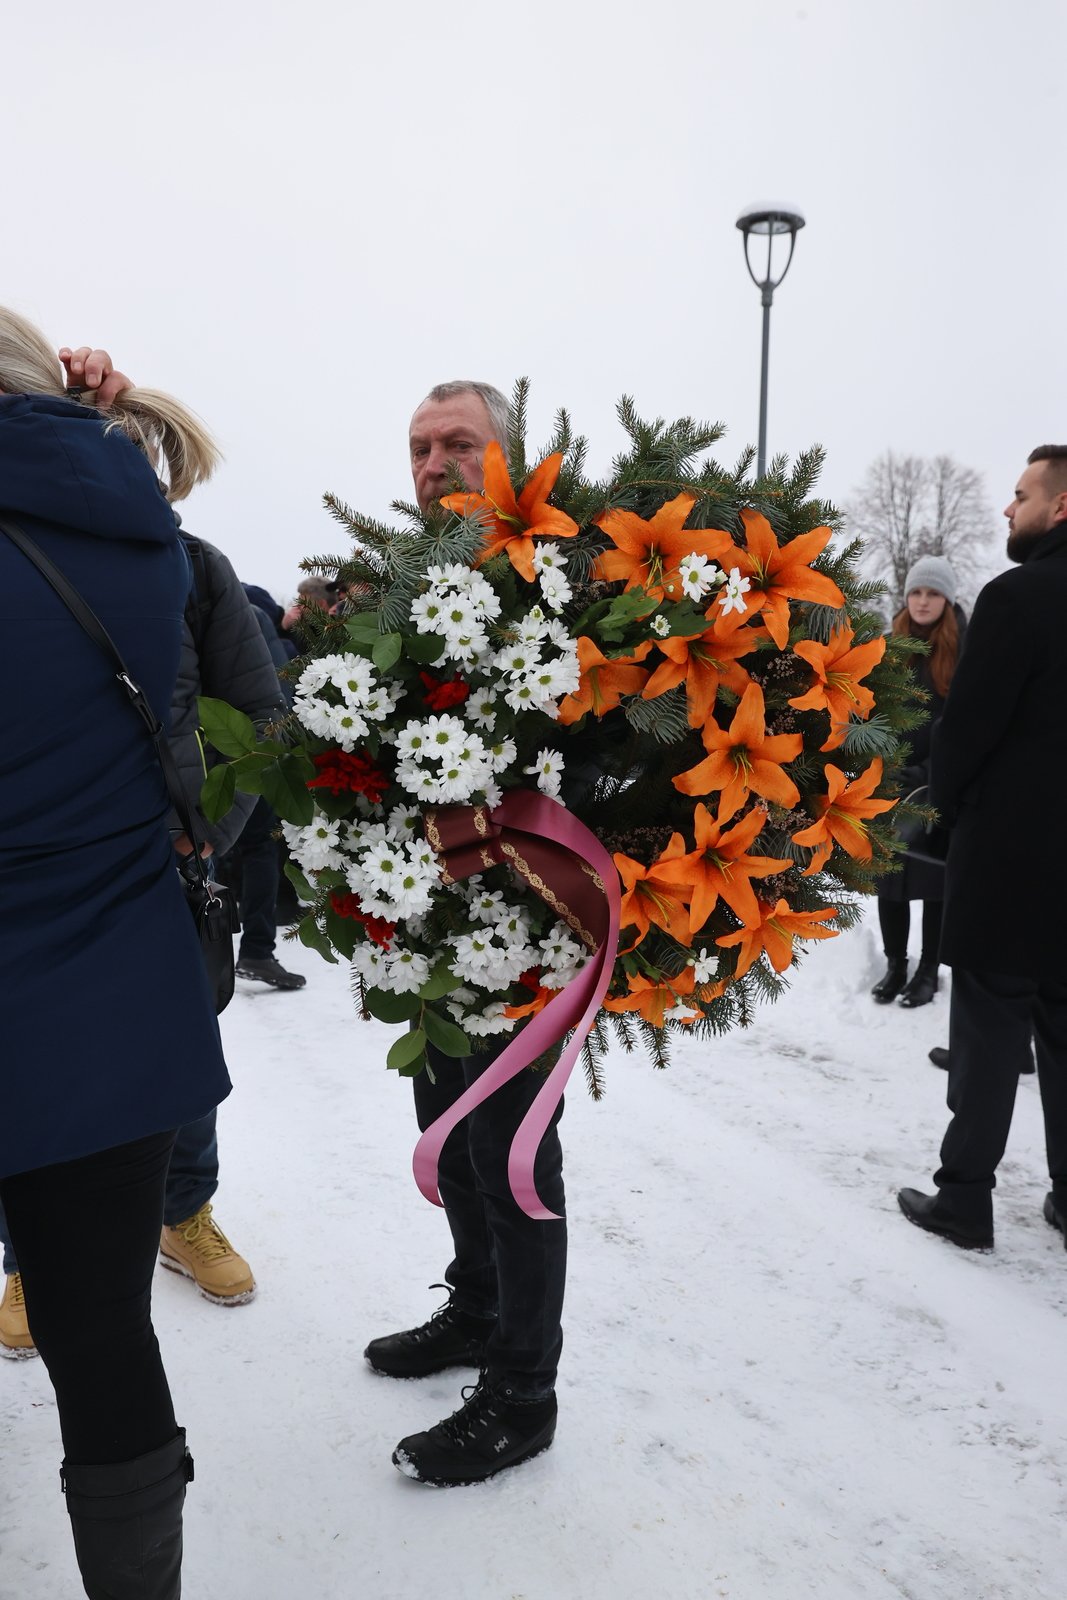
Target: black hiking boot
column 492, row 1430
column 269, row 970
column 451, row 1338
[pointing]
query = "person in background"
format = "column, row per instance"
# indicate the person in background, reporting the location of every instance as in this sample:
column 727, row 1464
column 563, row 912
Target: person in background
column 930, row 612
column 110, row 1040
column 998, row 767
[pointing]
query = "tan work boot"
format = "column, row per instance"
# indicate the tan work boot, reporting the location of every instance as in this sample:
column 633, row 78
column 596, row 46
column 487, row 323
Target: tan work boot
column 16, row 1341
column 199, row 1249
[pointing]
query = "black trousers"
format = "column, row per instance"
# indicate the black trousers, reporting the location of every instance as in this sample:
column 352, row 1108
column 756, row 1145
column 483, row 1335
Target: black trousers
column 90, row 1310
column 506, row 1264
column 894, row 919
column 990, row 1024
column 258, row 871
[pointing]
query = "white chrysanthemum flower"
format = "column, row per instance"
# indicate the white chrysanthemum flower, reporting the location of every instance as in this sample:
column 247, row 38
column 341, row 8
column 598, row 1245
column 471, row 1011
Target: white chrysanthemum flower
column 698, row 576
column 556, row 593
column 557, row 677
column 516, row 659
column 492, row 793
column 486, row 906
column 491, row 1020
column 548, row 770
column 380, row 702
column 314, row 675
column 502, row 754
column 404, row 822
column 407, row 971
column 704, row 966
column 427, row 611
column 523, row 696
column 680, row 1012
column 660, row 627
column 318, row 845
column 732, row 596
column 355, row 678
column 464, row 648
column 481, row 708
column 420, row 781
column 411, row 743
column 370, row 963
column 347, row 726
column 314, row 715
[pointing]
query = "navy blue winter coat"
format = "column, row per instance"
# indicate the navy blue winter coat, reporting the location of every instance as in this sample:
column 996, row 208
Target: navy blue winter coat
column 107, row 1031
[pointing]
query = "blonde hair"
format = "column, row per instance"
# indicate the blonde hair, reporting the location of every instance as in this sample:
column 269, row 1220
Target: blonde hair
column 171, row 436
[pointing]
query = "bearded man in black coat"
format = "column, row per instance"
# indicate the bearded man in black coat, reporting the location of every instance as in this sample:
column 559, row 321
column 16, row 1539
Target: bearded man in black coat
column 998, row 776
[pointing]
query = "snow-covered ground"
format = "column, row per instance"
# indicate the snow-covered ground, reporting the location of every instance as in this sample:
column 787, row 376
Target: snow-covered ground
column 772, row 1385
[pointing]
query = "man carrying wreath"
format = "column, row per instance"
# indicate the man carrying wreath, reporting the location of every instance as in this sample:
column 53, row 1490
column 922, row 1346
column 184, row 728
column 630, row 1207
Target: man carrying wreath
column 506, row 1282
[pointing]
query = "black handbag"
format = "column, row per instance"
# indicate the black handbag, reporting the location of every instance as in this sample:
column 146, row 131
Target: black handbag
column 925, row 841
column 210, row 903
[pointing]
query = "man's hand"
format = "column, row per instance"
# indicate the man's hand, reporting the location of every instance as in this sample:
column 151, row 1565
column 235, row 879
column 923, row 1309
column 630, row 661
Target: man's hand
column 93, row 370
column 184, row 846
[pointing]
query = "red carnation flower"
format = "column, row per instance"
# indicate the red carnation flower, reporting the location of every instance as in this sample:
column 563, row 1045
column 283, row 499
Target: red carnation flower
column 338, row 771
column 444, row 692
column 378, row 928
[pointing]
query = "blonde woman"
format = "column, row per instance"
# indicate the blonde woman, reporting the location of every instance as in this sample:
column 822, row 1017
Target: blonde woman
column 108, row 1038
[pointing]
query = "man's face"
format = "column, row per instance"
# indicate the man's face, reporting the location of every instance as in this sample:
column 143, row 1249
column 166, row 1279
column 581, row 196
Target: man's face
column 1037, row 508
column 457, row 429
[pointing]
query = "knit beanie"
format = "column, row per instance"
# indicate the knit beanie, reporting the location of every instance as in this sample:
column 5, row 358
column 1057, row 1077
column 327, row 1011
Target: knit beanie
column 932, row 572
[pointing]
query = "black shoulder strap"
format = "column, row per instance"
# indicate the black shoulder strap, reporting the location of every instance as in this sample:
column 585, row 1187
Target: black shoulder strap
column 88, row 619
column 198, row 606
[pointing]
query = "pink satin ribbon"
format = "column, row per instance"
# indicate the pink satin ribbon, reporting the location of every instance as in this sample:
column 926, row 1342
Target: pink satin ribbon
column 574, row 1007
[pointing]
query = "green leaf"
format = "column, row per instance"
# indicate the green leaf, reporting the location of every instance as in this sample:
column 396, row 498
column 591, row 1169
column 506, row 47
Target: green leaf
column 343, row 933
column 216, row 796
column 283, row 783
column 449, row 1039
column 303, row 888
column 248, row 770
column 229, row 730
column 363, row 630
column 440, row 982
column 386, row 652
column 407, row 1051
column 392, row 1007
column 424, row 647
column 309, row 933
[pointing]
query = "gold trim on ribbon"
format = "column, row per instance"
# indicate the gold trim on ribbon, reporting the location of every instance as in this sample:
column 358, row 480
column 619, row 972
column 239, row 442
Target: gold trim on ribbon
column 539, row 886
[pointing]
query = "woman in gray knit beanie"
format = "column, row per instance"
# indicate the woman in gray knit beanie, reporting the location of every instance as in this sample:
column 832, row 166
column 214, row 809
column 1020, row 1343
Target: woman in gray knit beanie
column 929, row 613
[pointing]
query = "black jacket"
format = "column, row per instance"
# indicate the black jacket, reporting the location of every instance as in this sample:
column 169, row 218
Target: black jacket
column 999, row 774
column 227, row 660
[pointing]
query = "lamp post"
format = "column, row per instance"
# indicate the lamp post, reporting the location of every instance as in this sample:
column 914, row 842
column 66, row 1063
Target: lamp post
column 772, row 221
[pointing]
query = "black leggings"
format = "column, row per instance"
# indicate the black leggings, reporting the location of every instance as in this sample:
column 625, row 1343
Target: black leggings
column 86, row 1234
column 894, row 917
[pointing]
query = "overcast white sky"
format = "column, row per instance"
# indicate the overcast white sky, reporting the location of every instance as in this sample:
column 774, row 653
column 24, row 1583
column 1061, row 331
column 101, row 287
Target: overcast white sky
column 297, row 217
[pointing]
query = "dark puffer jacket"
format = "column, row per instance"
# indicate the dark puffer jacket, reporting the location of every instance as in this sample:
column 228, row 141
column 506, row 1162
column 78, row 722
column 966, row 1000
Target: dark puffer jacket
column 228, row 660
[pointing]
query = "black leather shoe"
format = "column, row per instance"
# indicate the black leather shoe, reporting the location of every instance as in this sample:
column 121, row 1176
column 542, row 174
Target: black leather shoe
column 1056, row 1215
column 940, row 1057
column 451, row 1338
column 896, row 976
column 923, row 986
column 922, row 1209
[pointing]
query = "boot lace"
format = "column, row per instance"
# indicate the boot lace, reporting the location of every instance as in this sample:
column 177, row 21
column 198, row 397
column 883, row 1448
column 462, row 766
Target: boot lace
column 474, row 1415
column 18, row 1298
column 203, row 1234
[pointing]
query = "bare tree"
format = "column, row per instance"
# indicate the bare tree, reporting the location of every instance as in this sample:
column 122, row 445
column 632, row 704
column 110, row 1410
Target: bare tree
column 912, row 506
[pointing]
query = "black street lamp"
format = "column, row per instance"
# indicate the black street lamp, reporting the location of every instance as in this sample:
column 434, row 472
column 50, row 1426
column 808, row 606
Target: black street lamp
column 773, row 221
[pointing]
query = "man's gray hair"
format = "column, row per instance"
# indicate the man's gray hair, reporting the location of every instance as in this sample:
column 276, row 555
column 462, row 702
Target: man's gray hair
column 494, row 402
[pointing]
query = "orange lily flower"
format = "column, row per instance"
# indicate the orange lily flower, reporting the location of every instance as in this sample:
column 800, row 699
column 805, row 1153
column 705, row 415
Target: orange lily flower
column 515, row 522
column 540, row 1000
column 702, row 661
column 778, row 574
column 775, row 933
column 842, row 813
column 838, row 667
column 603, row 682
column 744, row 757
column 653, row 1000
column 721, row 868
column 647, row 553
column 648, row 899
